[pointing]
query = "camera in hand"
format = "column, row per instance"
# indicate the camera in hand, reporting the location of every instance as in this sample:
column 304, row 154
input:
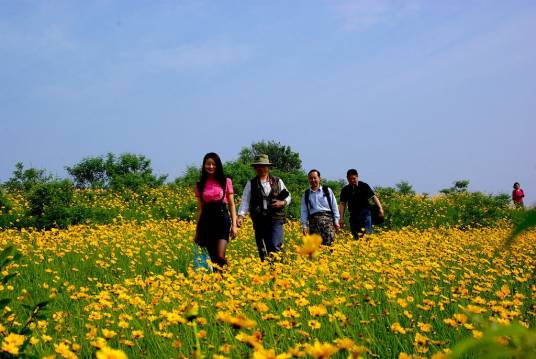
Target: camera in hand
column 282, row 195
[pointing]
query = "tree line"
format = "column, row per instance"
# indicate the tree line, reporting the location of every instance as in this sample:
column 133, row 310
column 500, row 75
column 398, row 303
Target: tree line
column 50, row 198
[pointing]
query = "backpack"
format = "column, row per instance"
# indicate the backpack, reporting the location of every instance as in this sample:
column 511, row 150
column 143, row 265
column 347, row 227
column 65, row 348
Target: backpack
column 325, row 191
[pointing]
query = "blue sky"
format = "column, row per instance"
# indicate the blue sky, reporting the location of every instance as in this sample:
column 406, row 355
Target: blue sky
column 424, row 91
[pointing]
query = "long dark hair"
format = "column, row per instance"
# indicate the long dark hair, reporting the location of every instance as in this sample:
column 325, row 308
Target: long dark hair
column 219, row 176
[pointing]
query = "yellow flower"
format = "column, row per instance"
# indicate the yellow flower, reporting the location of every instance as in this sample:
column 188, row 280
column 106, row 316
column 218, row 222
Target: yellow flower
column 318, row 310
column 63, row 350
column 321, row 350
column 239, row 321
column 12, row 343
column 290, row 313
column 424, row 327
column 460, row 318
column 345, row 343
column 397, row 328
column 137, row 334
column 109, row 353
column 253, row 340
column 108, row 334
column 314, row 324
column 311, row 245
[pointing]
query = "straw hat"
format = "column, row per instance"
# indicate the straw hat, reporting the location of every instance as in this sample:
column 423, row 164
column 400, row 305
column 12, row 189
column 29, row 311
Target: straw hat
column 262, row 160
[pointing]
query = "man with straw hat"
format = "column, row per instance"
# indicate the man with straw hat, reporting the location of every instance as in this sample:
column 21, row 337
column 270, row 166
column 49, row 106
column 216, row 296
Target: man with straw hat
column 265, row 197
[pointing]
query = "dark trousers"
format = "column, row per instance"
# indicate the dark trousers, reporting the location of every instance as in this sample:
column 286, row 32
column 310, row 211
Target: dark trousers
column 361, row 222
column 269, row 236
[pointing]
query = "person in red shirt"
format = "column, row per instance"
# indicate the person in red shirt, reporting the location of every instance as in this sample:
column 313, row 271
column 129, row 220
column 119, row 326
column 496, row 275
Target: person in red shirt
column 215, row 192
column 517, row 195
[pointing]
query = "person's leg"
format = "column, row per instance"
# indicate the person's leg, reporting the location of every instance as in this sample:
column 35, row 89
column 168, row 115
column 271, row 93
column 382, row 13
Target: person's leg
column 219, row 253
column 275, row 241
column 314, row 225
column 367, row 221
column 355, row 226
column 260, row 229
column 327, row 230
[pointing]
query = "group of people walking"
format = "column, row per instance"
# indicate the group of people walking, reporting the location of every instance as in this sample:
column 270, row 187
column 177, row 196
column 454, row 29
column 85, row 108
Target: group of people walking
column 265, row 198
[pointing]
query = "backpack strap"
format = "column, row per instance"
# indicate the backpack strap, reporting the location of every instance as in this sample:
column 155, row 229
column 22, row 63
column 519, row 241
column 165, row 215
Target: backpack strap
column 307, row 204
column 325, row 189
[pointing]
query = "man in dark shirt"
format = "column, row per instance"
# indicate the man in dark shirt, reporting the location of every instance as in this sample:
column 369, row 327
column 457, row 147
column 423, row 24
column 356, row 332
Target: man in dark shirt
column 356, row 196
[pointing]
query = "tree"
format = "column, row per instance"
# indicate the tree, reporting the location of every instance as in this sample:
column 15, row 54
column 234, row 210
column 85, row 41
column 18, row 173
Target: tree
column 460, row 186
column 24, row 180
column 404, row 187
column 283, row 158
column 126, row 171
column 90, row 172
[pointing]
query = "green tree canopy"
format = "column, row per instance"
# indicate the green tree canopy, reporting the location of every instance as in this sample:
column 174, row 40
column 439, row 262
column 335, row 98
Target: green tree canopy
column 124, row 171
column 25, row 179
column 283, row 158
column 458, row 187
column 404, row 187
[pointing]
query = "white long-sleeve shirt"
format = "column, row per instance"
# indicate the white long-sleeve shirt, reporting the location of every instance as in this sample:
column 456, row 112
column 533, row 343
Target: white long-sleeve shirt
column 246, row 196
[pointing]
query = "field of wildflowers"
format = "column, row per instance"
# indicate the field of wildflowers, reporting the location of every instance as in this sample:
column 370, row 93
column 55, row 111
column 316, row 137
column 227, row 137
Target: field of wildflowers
column 128, row 289
column 124, row 286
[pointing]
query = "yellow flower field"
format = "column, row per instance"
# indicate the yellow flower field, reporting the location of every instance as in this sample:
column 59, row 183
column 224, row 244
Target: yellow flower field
column 128, row 289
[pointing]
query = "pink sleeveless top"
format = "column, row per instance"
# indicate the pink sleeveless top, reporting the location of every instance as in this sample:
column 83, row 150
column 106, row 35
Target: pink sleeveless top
column 213, row 191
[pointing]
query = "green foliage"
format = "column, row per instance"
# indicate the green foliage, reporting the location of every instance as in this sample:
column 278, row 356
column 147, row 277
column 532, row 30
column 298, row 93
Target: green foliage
column 128, row 171
column 5, row 203
column 528, row 222
column 190, row 177
column 89, row 173
column 459, row 186
column 25, row 179
column 461, row 209
column 521, row 344
column 404, row 187
column 50, row 204
column 33, row 312
column 283, row 158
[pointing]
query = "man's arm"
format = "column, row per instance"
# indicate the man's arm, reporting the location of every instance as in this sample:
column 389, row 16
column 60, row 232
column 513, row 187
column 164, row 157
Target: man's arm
column 336, row 212
column 342, row 208
column 303, row 216
column 377, row 201
column 244, row 204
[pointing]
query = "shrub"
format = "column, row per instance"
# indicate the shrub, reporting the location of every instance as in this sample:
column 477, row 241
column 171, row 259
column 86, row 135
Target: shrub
column 24, row 180
column 50, row 204
column 127, row 171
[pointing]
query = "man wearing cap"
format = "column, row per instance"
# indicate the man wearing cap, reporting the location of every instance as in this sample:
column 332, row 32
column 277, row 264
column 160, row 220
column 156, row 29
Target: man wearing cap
column 265, row 197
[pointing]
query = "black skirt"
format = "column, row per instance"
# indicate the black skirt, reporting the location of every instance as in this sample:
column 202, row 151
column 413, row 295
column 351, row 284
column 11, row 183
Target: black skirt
column 214, row 223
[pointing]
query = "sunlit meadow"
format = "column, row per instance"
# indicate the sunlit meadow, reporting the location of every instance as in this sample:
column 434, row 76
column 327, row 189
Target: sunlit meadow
column 128, row 289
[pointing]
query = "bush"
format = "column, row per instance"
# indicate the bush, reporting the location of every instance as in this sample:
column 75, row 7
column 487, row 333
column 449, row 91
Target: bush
column 23, row 180
column 128, row 171
column 50, row 204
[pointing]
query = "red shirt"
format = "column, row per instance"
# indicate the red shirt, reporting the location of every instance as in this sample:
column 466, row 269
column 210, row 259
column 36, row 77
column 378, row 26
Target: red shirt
column 517, row 195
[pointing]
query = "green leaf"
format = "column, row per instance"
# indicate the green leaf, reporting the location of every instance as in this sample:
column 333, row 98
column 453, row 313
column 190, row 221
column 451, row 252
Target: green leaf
column 7, row 278
column 42, row 304
column 528, row 222
column 8, row 251
column 4, row 302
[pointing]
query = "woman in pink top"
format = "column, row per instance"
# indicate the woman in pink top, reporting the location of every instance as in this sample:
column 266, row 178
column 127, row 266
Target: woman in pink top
column 517, row 195
column 214, row 192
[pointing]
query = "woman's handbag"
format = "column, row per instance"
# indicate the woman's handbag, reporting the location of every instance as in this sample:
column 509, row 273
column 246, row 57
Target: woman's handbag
column 201, row 259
